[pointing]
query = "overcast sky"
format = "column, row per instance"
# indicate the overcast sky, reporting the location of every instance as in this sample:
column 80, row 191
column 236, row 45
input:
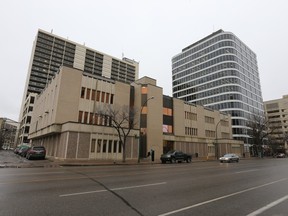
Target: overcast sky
column 148, row 31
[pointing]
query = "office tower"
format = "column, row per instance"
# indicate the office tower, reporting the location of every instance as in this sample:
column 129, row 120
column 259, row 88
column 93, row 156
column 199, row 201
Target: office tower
column 220, row 72
column 50, row 52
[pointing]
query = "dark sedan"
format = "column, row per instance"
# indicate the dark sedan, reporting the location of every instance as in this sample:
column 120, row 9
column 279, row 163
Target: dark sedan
column 175, row 156
column 36, row 152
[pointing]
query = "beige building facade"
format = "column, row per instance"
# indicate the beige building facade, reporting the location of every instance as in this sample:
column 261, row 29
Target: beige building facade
column 276, row 112
column 67, row 120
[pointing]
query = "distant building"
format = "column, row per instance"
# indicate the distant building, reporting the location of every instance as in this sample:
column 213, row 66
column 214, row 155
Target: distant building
column 8, row 132
column 49, row 52
column 67, row 120
column 220, row 72
column 276, row 112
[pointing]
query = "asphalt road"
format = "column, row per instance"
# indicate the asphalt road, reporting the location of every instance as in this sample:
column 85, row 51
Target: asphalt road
column 250, row 187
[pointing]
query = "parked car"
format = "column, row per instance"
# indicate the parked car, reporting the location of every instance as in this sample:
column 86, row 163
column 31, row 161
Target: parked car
column 280, row 155
column 175, row 156
column 23, row 151
column 229, row 158
column 36, row 152
column 16, row 150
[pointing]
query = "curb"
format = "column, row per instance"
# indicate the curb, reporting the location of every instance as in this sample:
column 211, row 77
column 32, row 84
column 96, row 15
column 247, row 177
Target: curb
column 54, row 164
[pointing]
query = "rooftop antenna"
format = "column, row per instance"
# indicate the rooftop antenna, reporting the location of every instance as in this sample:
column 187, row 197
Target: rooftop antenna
column 51, row 31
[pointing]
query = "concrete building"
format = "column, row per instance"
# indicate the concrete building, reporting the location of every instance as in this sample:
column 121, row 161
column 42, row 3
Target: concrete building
column 69, row 119
column 8, row 132
column 220, row 72
column 49, row 52
column 276, row 112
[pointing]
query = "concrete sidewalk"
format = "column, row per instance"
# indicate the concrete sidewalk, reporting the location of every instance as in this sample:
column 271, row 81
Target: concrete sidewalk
column 109, row 162
column 10, row 160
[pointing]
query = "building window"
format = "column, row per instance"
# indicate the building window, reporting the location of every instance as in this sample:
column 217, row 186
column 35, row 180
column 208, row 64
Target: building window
column 80, row 116
column 144, row 110
column 106, row 120
column 101, row 120
column 194, row 132
column 32, row 100
column 144, row 90
column 93, row 95
column 115, row 146
column 120, row 147
column 107, row 97
column 98, row 96
column 104, row 146
column 167, row 111
column 93, row 145
column 99, row 145
column 111, row 98
column 102, row 97
column 110, row 146
column 86, row 117
column 209, row 133
column 95, row 122
column 191, row 131
column 167, row 129
column 88, row 93
column 91, row 116
column 82, row 92
column 28, row 120
column 191, row 116
column 209, row 120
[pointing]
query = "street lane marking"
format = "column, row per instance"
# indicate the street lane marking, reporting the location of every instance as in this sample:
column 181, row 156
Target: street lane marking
column 245, row 171
column 114, row 189
column 222, row 197
column 270, row 205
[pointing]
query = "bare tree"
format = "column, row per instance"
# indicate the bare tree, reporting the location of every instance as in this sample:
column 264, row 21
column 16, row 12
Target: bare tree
column 122, row 118
column 259, row 130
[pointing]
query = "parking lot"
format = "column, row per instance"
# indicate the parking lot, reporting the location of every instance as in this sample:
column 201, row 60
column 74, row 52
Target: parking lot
column 10, row 160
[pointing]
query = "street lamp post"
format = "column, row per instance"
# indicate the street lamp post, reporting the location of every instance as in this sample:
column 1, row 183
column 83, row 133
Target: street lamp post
column 140, row 137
